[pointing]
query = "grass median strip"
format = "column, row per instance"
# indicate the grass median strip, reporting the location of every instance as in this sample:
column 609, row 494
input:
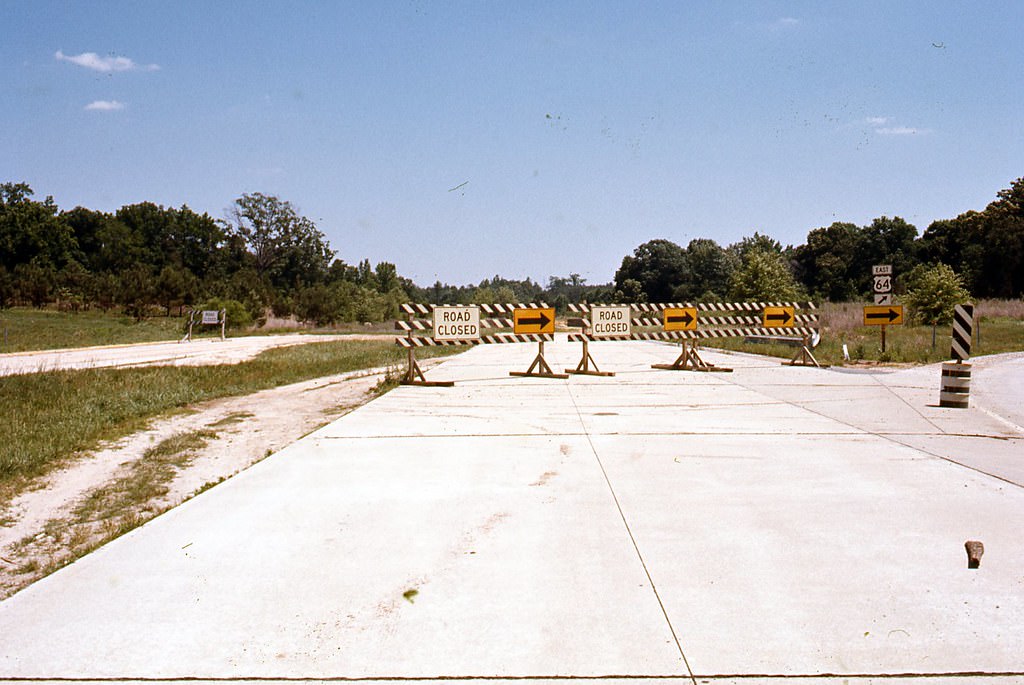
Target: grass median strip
column 51, row 416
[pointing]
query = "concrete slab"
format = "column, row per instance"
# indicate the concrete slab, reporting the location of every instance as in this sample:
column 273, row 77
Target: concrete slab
column 752, row 527
column 362, row 559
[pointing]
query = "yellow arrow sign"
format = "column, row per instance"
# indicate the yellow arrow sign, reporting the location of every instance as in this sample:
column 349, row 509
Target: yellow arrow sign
column 779, row 317
column 533, row 320
column 680, row 318
column 883, row 315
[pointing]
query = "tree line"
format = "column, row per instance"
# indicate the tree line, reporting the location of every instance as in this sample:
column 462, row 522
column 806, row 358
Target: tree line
column 264, row 256
column 980, row 252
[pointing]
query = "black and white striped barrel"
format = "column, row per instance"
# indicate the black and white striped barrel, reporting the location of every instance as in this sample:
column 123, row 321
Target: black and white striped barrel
column 956, row 385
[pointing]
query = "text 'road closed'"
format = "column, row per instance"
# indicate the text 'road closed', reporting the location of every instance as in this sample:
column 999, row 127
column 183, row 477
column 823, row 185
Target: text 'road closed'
column 611, row 321
column 456, row 323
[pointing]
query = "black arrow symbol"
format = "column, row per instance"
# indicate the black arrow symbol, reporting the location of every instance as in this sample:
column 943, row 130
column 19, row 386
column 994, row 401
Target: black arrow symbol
column 891, row 315
column 784, row 317
column 542, row 320
column 685, row 318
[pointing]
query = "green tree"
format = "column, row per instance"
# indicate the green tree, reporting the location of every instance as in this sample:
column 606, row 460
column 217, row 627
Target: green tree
column 885, row 241
column 763, row 276
column 387, row 276
column 30, row 231
column 288, row 249
column 825, row 262
column 35, row 282
column 1003, row 226
column 710, row 267
column 755, row 243
column 320, row 304
column 136, row 291
column 86, row 227
column 658, row 266
column 7, row 288
column 630, row 291
column 74, row 286
column 985, row 248
column 933, row 292
column 175, row 285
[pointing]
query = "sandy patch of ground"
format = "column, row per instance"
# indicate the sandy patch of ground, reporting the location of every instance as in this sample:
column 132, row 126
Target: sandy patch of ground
column 77, row 508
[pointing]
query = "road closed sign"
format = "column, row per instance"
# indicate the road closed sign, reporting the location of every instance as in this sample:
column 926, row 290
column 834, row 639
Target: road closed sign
column 611, row 321
column 456, row 323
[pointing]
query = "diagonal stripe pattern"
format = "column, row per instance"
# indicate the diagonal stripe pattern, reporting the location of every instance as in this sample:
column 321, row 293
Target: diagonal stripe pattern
column 963, row 330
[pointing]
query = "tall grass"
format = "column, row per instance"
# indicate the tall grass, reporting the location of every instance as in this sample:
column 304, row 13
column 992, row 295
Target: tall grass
column 50, row 416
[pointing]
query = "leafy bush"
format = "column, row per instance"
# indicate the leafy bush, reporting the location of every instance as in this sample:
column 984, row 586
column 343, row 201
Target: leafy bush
column 932, row 293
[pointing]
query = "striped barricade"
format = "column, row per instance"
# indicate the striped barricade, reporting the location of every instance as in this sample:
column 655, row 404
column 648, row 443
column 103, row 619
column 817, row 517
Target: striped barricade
column 468, row 326
column 705, row 321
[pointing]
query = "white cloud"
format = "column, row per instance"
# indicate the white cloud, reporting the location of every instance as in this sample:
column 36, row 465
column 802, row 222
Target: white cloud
column 900, row 131
column 877, row 121
column 90, row 60
column 105, row 106
column 787, row 21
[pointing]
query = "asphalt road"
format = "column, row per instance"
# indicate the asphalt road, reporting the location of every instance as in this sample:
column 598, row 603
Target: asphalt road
column 755, row 526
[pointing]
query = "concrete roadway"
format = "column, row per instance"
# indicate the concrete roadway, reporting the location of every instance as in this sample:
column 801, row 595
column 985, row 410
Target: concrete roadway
column 677, row 527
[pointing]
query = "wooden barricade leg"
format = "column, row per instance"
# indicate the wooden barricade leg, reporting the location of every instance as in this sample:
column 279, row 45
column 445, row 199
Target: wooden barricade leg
column 804, row 357
column 543, row 369
column 191, row 321
column 689, row 360
column 584, row 366
column 414, row 374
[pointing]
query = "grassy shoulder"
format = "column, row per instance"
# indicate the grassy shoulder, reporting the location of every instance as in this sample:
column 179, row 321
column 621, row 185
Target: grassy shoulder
column 999, row 328
column 53, row 415
column 27, row 330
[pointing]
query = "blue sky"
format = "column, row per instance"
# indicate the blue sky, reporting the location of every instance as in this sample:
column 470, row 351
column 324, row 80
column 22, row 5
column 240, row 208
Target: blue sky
column 461, row 140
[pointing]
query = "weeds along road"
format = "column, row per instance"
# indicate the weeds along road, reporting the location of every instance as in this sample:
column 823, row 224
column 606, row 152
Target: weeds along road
column 753, row 526
column 199, row 352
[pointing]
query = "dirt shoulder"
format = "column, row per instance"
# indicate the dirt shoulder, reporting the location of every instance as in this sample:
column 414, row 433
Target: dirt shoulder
column 105, row 493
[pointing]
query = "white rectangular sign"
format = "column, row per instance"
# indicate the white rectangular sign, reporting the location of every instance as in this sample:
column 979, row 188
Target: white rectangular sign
column 613, row 321
column 883, row 298
column 456, row 323
column 211, row 316
column 881, row 270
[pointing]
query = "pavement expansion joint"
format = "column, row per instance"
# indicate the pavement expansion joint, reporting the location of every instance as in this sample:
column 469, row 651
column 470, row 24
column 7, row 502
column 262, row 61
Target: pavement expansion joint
column 632, row 538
